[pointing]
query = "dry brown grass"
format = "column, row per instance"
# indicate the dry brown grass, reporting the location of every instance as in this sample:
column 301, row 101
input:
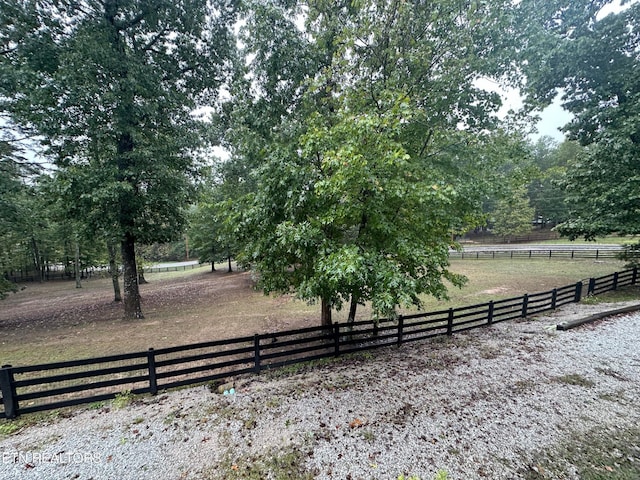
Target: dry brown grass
column 55, row 321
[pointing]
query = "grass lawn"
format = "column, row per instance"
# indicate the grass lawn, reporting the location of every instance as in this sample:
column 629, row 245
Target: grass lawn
column 609, row 240
column 55, row 321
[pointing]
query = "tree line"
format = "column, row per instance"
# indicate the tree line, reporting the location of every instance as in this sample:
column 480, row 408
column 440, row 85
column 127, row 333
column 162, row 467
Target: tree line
column 358, row 140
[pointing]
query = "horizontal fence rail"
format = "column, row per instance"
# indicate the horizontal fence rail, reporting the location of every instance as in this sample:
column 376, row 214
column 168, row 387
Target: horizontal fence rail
column 173, row 268
column 26, row 389
column 89, row 272
column 538, row 252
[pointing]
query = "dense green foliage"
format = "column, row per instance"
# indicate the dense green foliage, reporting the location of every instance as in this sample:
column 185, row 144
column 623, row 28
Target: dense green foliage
column 111, row 87
column 595, row 62
column 359, row 141
column 546, row 190
column 368, row 174
column 513, row 215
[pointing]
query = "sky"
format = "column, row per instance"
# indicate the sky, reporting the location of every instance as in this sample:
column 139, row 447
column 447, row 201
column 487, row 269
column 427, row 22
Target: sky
column 551, row 118
column 554, row 116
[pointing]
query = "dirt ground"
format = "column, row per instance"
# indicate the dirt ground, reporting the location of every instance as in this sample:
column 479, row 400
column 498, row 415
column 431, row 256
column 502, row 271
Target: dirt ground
column 54, row 321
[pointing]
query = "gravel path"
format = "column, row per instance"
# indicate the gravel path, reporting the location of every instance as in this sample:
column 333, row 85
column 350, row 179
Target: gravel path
column 478, row 405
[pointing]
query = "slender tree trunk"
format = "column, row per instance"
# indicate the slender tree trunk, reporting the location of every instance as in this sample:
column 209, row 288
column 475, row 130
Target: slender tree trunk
column 325, row 313
column 141, row 279
column 186, row 245
column 352, row 308
column 140, row 267
column 77, row 265
column 113, row 269
column 132, row 309
column 37, row 266
column 229, row 260
column 213, row 259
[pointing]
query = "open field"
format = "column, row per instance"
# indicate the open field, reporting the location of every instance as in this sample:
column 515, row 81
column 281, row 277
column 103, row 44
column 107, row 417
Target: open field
column 608, row 240
column 54, row 321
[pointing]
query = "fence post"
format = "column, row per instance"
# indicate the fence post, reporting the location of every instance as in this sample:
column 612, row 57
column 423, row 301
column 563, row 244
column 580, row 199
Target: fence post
column 550, row 253
column 597, row 253
column 615, row 281
column 554, row 299
column 490, row 315
column 153, row 379
column 525, row 304
column 634, row 277
column 450, row 322
column 592, row 286
column 9, row 395
column 336, row 339
column 256, row 353
column 400, row 329
column 578, row 295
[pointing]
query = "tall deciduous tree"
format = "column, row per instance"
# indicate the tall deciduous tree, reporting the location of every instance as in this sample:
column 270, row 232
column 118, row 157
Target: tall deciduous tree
column 546, row 190
column 112, row 86
column 513, row 215
column 384, row 159
column 594, row 61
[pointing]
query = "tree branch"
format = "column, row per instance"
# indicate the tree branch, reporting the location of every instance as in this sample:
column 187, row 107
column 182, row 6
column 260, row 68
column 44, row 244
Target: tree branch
column 154, row 40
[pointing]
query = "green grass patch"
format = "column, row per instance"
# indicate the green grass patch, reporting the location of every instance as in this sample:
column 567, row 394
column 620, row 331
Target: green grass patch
column 276, row 463
column 169, row 275
column 9, row 427
column 575, row 379
column 624, row 294
column 600, row 454
column 608, row 240
column 122, row 400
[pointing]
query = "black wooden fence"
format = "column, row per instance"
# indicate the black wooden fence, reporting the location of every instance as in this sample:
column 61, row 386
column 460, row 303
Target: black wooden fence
column 89, row 272
column 539, row 252
column 54, row 385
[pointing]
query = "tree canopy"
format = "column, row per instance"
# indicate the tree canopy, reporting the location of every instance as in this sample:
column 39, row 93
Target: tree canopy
column 383, row 154
column 594, row 61
column 111, row 87
column 360, row 142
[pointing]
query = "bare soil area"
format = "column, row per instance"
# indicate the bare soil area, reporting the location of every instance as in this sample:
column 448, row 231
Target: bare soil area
column 54, row 321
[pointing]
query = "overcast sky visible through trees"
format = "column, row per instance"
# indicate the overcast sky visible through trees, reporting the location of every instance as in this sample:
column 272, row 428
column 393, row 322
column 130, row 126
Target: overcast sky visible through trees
column 551, row 119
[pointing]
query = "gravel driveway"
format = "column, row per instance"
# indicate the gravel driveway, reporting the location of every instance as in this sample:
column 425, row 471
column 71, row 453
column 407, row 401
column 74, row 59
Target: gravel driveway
column 490, row 403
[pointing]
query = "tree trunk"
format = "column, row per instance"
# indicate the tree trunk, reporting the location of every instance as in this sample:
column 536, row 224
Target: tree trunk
column 37, row 266
column 325, row 313
column 77, row 265
column 124, row 125
column 229, row 260
column 113, row 269
column 132, row 309
column 213, row 259
column 140, row 267
column 141, row 279
column 352, row 308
